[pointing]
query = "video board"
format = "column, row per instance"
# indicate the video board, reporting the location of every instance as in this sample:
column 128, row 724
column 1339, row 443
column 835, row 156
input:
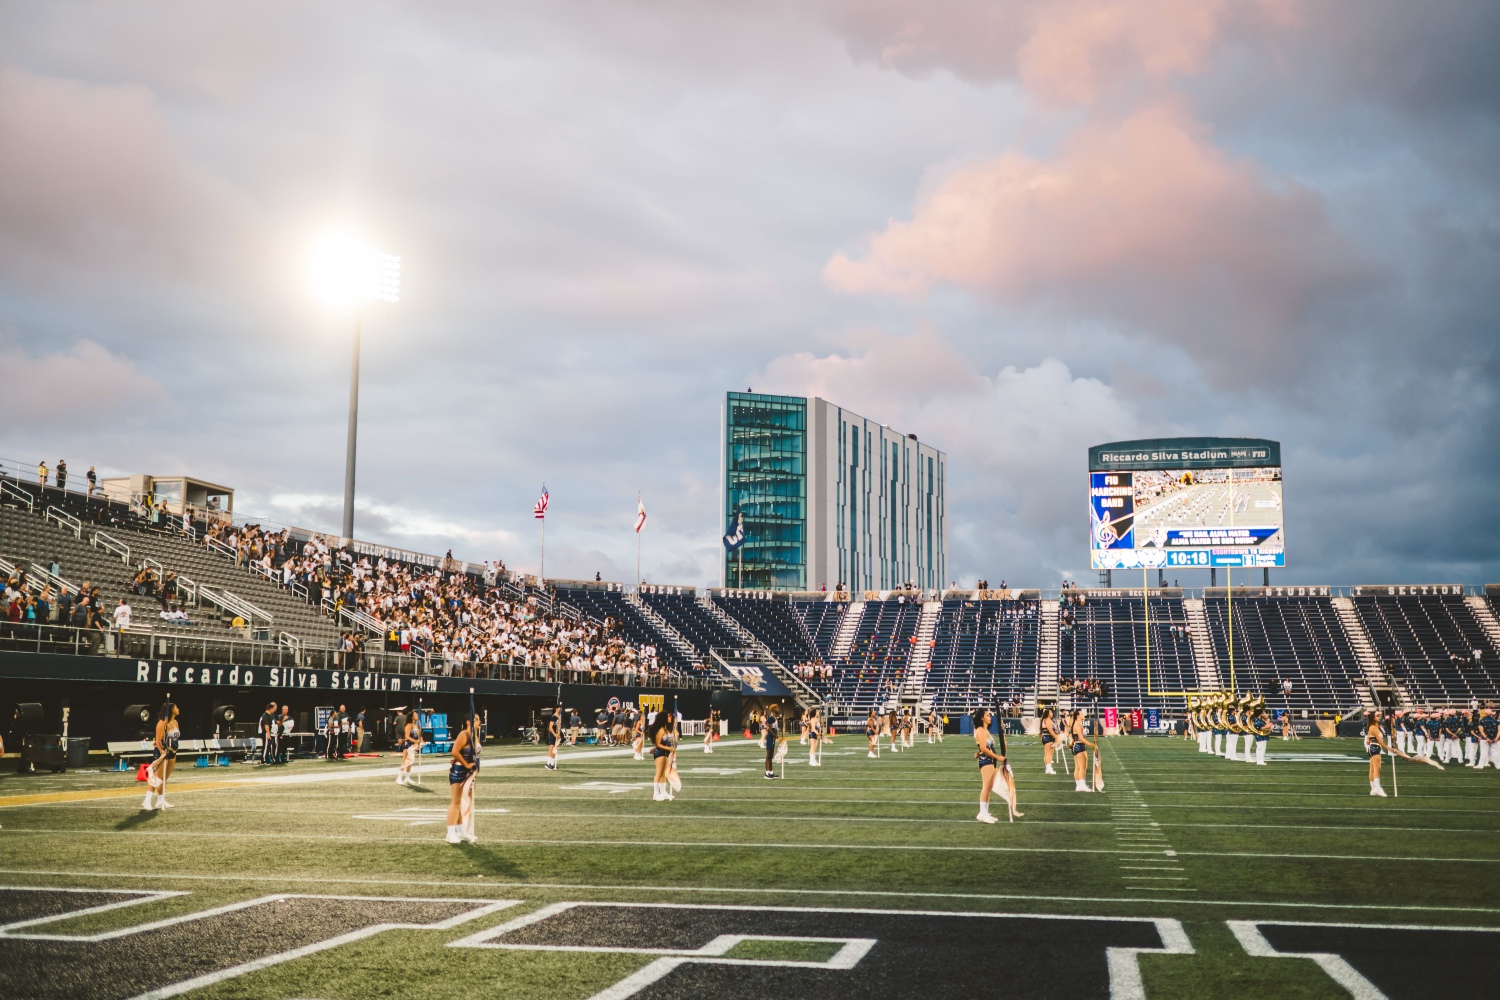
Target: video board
column 1186, row 502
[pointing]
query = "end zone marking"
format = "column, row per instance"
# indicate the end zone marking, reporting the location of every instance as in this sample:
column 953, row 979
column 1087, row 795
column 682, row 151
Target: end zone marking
column 142, row 896
column 1122, row 962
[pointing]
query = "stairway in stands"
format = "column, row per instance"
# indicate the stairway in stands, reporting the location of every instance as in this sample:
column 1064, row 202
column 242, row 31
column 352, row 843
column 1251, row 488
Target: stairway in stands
column 914, row 685
column 843, row 639
column 767, row 660
column 1364, row 652
column 1047, row 658
column 663, row 628
column 1486, row 618
column 1204, row 660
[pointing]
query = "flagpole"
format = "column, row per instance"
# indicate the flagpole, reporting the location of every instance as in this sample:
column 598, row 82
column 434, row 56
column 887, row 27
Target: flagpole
column 542, row 574
column 639, row 507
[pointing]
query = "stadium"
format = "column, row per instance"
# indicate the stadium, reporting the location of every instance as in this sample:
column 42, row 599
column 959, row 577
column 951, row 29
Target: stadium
column 865, row 304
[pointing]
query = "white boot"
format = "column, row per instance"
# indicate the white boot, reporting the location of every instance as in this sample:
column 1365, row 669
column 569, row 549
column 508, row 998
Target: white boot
column 984, row 814
column 150, row 802
column 1050, row 770
column 453, row 837
column 162, row 803
column 656, row 791
column 400, row 778
column 1079, row 786
column 1375, row 788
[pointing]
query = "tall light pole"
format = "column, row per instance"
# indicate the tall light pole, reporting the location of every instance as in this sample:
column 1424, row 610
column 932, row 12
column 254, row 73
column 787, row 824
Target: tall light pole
column 347, row 273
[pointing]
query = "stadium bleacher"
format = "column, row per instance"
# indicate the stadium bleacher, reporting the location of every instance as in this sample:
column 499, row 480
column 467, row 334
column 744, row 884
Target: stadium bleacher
column 693, row 622
column 821, row 620
column 1277, row 639
column 775, row 623
column 985, row 651
column 602, row 603
column 871, row 674
column 1108, row 644
column 1427, row 641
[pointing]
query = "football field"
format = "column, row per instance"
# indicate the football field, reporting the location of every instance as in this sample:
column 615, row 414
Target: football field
column 1188, row 876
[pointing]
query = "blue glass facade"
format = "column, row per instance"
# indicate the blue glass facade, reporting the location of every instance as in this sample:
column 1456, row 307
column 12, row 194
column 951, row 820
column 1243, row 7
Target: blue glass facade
column 765, row 480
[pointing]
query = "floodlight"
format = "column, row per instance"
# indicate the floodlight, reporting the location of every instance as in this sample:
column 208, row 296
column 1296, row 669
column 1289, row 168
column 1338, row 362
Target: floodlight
column 345, row 272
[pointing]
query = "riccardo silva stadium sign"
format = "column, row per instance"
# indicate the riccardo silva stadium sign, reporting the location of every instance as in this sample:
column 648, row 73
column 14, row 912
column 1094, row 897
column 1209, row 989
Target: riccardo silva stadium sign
column 1186, row 502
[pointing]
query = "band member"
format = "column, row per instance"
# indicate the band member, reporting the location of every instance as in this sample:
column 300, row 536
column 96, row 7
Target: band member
column 410, row 745
column 161, row 766
column 663, row 737
column 554, row 736
column 1375, row 744
column 1049, row 740
column 872, row 733
column 814, row 738
column 988, row 759
column 1261, row 727
column 1486, row 730
column 1081, row 744
column 710, row 730
column 772, row 728
column 462, row 773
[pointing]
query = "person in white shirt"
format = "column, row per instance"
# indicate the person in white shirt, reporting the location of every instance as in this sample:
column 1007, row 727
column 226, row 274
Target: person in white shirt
column 122, row 615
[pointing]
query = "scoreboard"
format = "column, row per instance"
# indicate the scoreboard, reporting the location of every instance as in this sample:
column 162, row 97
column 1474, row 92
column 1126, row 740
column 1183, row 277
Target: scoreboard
column 1186, row 502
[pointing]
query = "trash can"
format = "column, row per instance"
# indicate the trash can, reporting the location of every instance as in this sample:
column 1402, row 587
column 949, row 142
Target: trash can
column 78, row 751
column 42, row 751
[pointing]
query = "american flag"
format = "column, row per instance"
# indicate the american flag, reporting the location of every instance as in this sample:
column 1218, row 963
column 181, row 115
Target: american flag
column 640, row 515
column 540, row 510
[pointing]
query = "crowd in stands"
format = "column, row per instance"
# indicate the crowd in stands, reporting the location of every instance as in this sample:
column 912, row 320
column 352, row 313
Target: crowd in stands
column 813, row 669
column 441, row 612
column 1088, row 687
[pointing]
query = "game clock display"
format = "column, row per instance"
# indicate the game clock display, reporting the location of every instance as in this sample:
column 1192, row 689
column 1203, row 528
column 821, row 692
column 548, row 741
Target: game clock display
column 1148, row 519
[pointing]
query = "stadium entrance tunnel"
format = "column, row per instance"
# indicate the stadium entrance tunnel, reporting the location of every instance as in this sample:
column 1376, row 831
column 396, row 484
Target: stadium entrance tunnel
column 707, row 952
column 162, row 958
column 1379, row 961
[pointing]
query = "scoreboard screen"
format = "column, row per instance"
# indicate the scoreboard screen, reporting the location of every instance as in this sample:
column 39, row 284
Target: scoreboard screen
column 1186, row 502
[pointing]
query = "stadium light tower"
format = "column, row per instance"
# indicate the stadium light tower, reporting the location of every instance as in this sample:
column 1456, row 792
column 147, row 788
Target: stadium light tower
column 346, row 273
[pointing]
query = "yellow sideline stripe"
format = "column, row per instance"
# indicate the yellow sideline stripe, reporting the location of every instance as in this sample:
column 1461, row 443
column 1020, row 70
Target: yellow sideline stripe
column 45, row 798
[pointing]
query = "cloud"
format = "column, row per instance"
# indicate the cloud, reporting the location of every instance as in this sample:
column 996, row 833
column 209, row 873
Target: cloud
column 72, row 389
column 1068, row 51
column 1017, row 441
column 1143, row 222
column 93, row 176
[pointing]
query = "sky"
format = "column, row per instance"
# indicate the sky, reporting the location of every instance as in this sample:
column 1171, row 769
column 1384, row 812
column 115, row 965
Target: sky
column 1016, row 230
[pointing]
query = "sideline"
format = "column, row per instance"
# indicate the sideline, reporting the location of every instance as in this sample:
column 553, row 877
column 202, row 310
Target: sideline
column 330, row 774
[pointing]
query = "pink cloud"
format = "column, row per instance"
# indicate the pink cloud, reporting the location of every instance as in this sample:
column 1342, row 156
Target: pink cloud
column 94, row 175
column 1143, row 222
column 76, row 388
column 1060, row 50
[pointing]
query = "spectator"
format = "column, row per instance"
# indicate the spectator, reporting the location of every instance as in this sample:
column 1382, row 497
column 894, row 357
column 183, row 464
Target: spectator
column 41, row 473
column 56, row 568
column 62, row 474
column 93, row 479
column 122, row 615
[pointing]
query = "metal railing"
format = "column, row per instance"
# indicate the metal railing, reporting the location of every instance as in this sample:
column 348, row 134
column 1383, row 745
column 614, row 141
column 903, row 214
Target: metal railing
column 17, row 494
column 178, row 647
column 237, row 606
column 111, row 544
column 64, row 520
column 341, row 613
column 42, row 572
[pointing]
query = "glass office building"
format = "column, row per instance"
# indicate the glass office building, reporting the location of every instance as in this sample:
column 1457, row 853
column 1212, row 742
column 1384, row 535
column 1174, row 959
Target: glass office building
column 828, row 497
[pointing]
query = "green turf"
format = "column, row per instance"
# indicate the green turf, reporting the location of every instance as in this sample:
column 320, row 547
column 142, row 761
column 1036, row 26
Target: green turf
column 1175, row 834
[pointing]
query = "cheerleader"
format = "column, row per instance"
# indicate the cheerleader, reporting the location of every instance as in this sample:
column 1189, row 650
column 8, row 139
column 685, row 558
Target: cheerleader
column 710, row 729
column 894, row 727
column 1081, row 745
column 988, row 761
column 1049, row 740
column 908, row 728
column 1286, row 725
column 804, row 724
column 462, row 773
column 814, row 738
column 663, row 741
column 554, row 734
column 160, row 769
column 410, row 746
column 1375, row 745
column 872, row 733
column 934, row 726
column 638, row 734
